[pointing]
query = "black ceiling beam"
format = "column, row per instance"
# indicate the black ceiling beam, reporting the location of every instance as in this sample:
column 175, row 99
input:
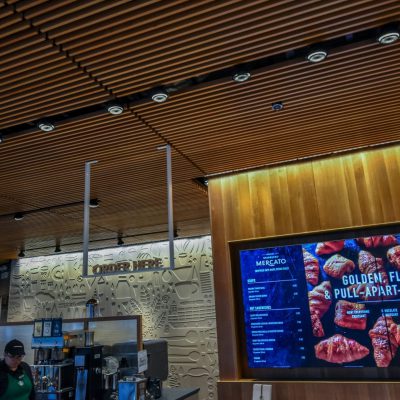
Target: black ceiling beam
column 198, row 81
column 44, row 209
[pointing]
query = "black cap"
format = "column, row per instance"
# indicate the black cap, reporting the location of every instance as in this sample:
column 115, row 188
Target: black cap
column 15, row 348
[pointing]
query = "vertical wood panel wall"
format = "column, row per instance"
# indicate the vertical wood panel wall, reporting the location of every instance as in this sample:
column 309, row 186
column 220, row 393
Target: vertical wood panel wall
column 351, row 190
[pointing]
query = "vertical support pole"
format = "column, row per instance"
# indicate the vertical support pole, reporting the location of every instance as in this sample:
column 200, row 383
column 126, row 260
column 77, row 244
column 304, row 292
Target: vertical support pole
column 86, row 218
column 170, row 209
column 170, row 206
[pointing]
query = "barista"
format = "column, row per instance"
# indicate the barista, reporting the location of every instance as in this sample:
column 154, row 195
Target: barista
column 15, row 376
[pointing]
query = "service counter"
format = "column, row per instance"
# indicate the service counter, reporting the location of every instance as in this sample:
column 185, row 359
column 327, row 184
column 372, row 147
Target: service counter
column 179, row 393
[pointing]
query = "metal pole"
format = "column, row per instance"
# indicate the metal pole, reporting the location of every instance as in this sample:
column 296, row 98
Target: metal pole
column 170, row 206
column 86, row 218
column 170, row 209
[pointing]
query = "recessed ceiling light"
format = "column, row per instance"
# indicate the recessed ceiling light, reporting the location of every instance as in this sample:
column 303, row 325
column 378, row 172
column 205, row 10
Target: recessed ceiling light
column 94, row 203
column 159, row 96
column 46, row 126
column 18, row 216
column 115, row 109
column 277, row 106
column 241, row 76
column 316, row 56
column 388, row 37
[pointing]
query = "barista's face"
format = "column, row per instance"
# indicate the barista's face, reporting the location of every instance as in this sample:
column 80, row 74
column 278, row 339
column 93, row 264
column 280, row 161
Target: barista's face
column 12, row 361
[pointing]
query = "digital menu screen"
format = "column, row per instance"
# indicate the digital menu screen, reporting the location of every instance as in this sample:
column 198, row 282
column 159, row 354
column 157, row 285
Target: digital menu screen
column 326, row 304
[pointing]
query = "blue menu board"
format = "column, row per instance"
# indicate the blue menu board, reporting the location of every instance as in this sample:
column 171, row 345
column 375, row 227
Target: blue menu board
column 275, row 306
column 326, row 304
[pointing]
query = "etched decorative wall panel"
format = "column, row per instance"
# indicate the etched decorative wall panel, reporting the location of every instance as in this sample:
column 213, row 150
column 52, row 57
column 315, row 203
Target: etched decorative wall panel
column 175, row 304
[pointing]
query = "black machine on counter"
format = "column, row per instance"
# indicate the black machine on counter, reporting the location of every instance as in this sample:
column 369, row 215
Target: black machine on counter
column 88, row 363
column 68, row 365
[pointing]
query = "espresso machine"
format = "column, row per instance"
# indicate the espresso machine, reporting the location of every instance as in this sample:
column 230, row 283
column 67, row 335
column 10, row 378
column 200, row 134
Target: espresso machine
column 52, row 372
column 88, row 363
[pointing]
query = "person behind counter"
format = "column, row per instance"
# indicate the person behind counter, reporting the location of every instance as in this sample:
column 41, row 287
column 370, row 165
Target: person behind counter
column 15, row 376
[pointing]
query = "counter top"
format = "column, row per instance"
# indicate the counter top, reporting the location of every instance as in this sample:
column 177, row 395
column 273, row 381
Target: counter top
column 178, row 393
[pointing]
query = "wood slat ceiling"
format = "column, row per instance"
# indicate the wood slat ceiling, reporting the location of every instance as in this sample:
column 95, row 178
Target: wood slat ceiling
column 61, row 55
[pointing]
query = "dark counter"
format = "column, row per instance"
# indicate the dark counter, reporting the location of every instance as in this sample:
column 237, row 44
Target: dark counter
column 178, row 393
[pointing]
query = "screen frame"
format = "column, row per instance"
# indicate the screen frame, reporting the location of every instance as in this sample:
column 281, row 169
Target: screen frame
column 305, row 373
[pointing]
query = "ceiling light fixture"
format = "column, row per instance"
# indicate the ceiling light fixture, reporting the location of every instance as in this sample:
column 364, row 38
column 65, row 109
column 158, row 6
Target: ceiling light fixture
column 241, row 76
column 115, row 108
column 57, row 249
column 389, row 34
column 277, row 106
column 120, row 242
column 46, row 126
column 159, row 96
column 316, row 56
column 21, row 254
column 94, row 203
column 18, row 216
column 1, row 139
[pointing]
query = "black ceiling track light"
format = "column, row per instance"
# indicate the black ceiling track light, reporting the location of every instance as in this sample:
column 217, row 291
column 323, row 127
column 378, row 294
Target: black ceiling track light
column 18, row 216
column 315, row 53
column 120, row 241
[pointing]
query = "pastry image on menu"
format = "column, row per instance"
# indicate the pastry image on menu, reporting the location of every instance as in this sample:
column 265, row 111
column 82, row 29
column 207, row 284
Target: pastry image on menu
column 340, row 349
column 350, row 315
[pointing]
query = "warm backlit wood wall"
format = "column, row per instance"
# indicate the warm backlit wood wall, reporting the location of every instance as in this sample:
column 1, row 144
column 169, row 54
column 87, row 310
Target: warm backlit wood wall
column 357, row 189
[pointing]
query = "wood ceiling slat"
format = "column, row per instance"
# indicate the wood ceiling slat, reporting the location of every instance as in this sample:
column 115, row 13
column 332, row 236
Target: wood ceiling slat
column 243, row 49
column 292, row 77
column 130, row 23
column 55, row 9
column 60, row 86
column 124, row 83
column 95, row 13
column 37, row 81
column 16, row 31
column 40, row 112
column 140, row 9
column 304, row 109
column 350, row 100
column 240, row 32
column 45, row 68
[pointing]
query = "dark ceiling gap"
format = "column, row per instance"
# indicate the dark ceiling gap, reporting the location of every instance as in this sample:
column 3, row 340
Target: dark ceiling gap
column 84, row 69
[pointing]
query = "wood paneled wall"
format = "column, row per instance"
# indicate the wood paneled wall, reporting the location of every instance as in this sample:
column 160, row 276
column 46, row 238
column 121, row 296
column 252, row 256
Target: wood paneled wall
column 357, row 189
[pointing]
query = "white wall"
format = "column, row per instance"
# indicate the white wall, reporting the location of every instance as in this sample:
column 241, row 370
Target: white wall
column 175, row 304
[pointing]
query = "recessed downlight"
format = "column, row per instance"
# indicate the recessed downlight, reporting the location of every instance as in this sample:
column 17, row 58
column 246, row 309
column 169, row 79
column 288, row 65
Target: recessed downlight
column 388, row 37
column 316, row 56
column 115, row 109
column 241, row 76
column 94, row 203
column 46, row 126
column 18, row 216
column 159, row 96
column 277, row 106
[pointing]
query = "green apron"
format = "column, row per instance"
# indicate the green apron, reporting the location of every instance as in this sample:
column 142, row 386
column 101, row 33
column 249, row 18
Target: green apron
column 19, row 388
